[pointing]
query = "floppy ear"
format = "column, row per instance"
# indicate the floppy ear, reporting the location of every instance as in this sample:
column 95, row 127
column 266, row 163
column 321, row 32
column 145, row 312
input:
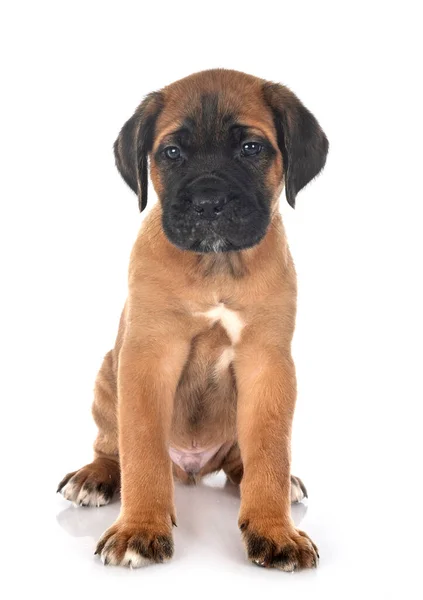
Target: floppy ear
column 301, row 140
column 133, row 144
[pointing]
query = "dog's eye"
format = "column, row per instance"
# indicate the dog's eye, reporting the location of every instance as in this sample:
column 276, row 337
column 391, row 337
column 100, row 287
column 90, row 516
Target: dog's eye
column 251, row 148
column 172, row 152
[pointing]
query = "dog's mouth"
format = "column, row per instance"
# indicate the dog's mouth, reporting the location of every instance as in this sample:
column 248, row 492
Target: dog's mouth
column 214, row 236
column 240, row 228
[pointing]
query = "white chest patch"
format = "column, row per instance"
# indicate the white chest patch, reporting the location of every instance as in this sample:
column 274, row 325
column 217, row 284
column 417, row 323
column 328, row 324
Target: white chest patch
column 229, row 319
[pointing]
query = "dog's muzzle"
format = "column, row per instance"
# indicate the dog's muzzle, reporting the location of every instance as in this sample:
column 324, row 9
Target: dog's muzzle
column 214, row 214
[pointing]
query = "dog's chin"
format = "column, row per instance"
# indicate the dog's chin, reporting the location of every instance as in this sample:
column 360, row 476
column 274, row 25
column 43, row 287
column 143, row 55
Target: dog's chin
column 212, row 241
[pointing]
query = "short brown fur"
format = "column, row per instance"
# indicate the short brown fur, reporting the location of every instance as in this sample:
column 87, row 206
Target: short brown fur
column 159, row 387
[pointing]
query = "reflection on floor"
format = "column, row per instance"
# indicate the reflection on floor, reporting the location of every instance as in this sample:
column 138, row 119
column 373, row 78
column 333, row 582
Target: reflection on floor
column 213, row 505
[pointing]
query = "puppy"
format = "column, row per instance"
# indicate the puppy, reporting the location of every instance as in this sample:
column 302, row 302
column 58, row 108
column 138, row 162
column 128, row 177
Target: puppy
column 201, row 377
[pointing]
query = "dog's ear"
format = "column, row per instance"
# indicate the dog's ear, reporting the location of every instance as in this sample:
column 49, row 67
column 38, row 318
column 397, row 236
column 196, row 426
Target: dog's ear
column 301, row 140
column 133, row 144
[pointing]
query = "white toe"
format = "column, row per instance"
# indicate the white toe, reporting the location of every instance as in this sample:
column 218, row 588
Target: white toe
column 83, row 497
column 69, row 491
column 134, row 560
column 297, row 495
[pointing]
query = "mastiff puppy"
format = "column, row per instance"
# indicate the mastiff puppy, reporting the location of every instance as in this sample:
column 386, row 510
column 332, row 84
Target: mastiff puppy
column 201, row 377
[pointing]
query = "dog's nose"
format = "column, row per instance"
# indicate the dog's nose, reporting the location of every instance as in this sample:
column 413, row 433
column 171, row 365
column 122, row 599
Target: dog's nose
column 208, row 204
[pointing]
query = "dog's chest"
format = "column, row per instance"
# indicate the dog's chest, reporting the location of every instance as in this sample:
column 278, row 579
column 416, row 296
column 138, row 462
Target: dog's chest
column 229, row 319
column 205, row 403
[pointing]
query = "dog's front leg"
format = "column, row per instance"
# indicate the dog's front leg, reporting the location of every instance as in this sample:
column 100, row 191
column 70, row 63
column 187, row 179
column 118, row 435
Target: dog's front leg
column 266, row 399
column 148, row 374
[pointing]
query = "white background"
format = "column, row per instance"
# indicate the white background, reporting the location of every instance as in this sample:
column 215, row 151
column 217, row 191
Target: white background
column 72, row 73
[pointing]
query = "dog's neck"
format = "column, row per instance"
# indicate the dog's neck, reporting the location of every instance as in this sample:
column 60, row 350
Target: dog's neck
column 232, row 265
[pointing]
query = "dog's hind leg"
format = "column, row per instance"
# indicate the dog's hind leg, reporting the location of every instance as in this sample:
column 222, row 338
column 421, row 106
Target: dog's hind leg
column 232, row 465
column 96, row 483
column 233, row 468
column 93, row 485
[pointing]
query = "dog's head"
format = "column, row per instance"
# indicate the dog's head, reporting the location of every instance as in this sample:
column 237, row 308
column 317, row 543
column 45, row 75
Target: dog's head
column 221, row 145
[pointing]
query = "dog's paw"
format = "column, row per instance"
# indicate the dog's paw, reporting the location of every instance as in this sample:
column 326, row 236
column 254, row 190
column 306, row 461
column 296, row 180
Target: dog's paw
column 93, row 485
column 298, row 490
column 134, row 545
column 286, row 549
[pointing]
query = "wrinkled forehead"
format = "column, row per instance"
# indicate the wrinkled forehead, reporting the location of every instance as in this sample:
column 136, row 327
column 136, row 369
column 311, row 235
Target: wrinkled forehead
column 208, row 112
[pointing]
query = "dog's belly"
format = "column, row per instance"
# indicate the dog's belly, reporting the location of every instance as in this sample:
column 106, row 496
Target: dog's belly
column 204, row 415
column 194, row 459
